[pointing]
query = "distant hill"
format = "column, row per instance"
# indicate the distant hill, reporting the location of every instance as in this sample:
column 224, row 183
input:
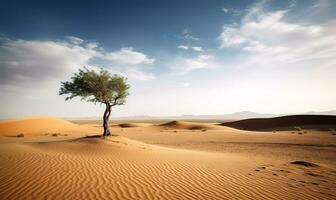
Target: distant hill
column 224, row 117
column 233, row 116
column 331, row 112
column 284, row 122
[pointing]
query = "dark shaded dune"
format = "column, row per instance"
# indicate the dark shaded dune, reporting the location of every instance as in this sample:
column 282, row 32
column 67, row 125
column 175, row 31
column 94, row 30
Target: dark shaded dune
column 188, row 125
column 320, row 122
column 132, row 125
column 127, row 125
column 304, row 163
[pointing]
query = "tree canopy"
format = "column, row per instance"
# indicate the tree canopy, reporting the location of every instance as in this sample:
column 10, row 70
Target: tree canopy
column 98, row 87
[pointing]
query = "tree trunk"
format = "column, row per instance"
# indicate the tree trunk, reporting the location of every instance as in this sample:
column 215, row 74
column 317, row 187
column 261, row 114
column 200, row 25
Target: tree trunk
column 105, row 120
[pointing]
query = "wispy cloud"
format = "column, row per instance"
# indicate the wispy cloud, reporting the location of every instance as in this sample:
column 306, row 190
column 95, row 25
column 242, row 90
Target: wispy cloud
column 226, row 10
column 128, row 56
column 188, row 35
column 92, row 45
column 269, row 40
column 75, row 40
column 186, row 65
column 293, row 4
column 232, row 11
column 138, row 74
column 183, row 47
column 194, row 48
column 197, row 48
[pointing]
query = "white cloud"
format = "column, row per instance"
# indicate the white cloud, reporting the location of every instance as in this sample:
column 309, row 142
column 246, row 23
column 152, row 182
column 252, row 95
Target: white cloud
column 185, row 84
column 183, row 47
column 186, row 65
column 137, row 74
column 92, row 45
column 199, row 62
column 269, row 40
column 197, row 48
column 23, row 62
column 226, row 10
column 194, row 48
column 32, row 62
column 129, row 56
column 255, row 12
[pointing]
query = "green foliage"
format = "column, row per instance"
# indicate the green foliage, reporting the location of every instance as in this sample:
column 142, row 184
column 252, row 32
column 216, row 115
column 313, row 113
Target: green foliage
column 98, row 87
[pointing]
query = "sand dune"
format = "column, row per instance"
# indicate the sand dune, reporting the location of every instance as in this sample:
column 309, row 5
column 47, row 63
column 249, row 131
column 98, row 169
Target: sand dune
column 314, row 146
column 284, row 123
column 120, row 168
column 217, row 165
column 41, row 126
column 189, row 125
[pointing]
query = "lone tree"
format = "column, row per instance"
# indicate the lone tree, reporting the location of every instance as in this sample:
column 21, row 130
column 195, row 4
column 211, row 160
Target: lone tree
column 102, row 87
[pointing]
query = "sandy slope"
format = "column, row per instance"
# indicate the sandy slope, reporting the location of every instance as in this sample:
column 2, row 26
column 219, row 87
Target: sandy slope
column 312, row 146
column 121, row 168
column 41, row 126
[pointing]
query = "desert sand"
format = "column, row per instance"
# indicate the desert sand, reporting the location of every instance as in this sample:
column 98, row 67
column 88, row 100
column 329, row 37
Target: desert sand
column 174, row 160
column 38, row 126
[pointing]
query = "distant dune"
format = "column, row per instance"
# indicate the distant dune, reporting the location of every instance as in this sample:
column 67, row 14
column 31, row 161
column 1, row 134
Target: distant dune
column 40, row 126
column 189, row 125
column 132, row 125
column 283, row 123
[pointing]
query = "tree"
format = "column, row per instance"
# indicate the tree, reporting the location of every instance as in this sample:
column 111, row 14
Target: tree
column 98, row 87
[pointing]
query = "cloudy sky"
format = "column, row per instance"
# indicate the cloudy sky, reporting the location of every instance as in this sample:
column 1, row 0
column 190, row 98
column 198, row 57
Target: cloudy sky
column 180, row 57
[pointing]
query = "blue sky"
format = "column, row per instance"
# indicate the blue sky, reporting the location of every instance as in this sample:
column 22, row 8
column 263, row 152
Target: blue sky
column 181, row 57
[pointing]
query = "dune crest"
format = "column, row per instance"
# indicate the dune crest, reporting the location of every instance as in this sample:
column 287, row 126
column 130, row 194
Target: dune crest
column 189, row 125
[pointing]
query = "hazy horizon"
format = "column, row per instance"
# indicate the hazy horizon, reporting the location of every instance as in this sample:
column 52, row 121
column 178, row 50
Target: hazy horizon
column 180, row 57
column 224, row 116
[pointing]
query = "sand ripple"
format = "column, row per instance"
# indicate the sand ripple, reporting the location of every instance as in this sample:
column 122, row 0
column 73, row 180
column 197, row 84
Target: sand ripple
column 119, row 168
